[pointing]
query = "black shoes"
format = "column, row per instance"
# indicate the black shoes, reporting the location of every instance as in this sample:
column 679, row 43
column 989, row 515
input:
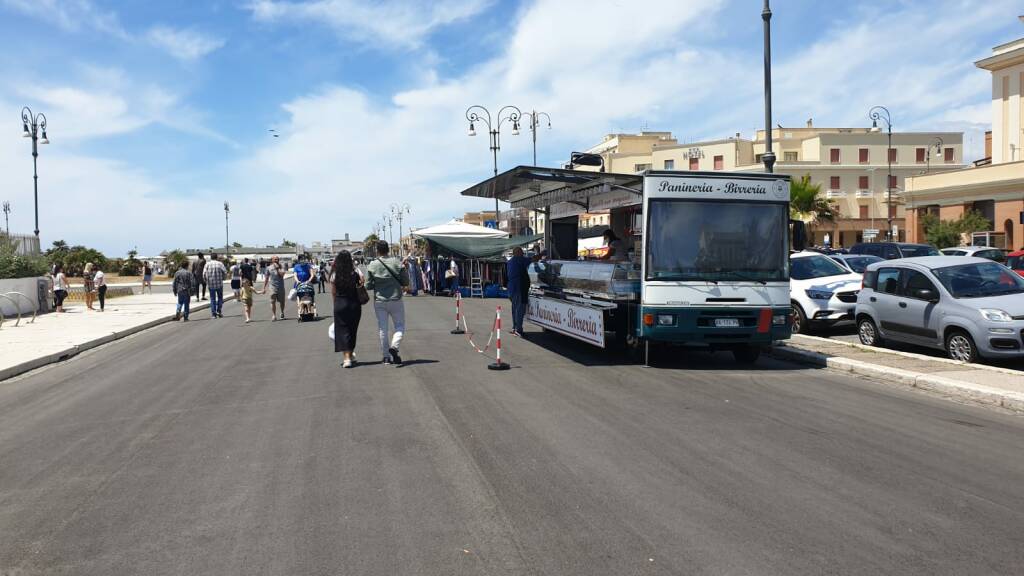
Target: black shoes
column 395, row 358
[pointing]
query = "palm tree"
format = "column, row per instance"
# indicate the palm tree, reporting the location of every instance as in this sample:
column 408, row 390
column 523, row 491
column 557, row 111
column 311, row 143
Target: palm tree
column 806, row 203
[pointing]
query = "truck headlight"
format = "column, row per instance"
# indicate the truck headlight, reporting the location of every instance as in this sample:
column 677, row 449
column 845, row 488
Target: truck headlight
column 995, row 315
column 666, row 320
column 818, row 294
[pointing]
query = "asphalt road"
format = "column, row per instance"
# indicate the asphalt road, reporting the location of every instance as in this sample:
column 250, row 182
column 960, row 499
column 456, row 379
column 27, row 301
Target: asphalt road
column 219, row 448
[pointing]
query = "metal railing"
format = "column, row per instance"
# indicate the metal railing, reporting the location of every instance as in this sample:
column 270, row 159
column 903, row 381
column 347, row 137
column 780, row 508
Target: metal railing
column 17, row 308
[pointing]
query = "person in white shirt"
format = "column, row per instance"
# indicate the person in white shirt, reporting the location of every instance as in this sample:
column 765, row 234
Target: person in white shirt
column 100, row 280
column 453, row 277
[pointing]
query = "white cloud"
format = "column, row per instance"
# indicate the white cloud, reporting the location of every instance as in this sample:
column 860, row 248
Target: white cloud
column 389, row 23
column 71, row 15
column 183, row 44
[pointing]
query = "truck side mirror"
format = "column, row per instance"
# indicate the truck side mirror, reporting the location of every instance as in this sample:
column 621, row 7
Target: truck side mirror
column 799, row 240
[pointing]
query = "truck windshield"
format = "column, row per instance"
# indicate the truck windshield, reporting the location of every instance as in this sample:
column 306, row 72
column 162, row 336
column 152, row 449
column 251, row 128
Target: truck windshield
column 706, row 240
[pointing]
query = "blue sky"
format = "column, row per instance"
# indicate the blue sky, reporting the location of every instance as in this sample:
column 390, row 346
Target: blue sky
column 160, row 111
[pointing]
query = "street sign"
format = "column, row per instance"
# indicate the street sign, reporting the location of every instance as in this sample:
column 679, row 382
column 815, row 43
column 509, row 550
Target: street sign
column 491, row 224
column 870, row 232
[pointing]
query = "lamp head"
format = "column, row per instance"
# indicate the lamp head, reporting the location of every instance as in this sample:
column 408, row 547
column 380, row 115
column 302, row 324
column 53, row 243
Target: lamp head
column 45, row 140
column 874, row 125
column 25, row 133
column 472, row 130
column 515, row 128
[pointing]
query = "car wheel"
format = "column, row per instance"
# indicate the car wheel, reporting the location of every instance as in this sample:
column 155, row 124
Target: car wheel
column 868, row 332
column 960, row 346
column 799, row 320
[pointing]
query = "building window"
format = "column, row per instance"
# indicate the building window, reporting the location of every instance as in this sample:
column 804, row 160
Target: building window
column 834, row 183
column 641, row 167
column 719, row 162
column 694, row 163
column 862, row 182
column 948, row 155
column 892, row 181
column 833, row 155
column 670, row 164
column 790, row 156
column 864, row 211
column 863, row 153
column 892, row 155
column 920, row 155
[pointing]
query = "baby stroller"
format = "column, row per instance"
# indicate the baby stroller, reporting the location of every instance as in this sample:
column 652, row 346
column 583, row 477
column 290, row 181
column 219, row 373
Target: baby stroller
column 305, row 296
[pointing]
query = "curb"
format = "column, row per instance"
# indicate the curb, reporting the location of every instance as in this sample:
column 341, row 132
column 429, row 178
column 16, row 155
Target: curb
column 68, row 353
column 956, row 389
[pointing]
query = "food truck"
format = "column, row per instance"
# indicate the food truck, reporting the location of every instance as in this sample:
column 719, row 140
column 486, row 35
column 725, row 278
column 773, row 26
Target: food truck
column 703, row 257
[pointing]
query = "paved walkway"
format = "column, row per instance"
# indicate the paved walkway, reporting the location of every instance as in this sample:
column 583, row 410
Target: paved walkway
column 56, row 336
column 969, row 382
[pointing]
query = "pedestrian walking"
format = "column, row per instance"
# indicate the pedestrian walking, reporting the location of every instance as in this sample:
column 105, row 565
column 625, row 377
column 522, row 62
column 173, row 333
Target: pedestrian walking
column 182, row 287
column 518, row 273
column 197, row 271
column 388, row 278
column 247, row 297
column 263, row 268
column 147, row 278
column 248, row 271
column 274, row 278
column 346, row 285
column 452, row 275
column 100, row 280
column 321, row 275
column 88, row 285
column 236, row 280
column 214, row 274
column 60, row 286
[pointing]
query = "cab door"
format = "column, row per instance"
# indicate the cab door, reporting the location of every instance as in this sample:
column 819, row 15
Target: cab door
column 918, row 309
column 885, row 301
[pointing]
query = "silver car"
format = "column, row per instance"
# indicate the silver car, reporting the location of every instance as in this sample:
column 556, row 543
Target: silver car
column 970, row 307
column 994, row 254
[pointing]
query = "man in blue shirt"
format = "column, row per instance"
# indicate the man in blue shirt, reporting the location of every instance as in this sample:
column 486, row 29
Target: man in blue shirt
column 517, row 271
column 303, row 271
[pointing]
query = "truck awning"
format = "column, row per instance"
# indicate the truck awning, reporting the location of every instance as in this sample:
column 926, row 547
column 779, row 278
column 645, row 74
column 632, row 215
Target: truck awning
column 533, row 187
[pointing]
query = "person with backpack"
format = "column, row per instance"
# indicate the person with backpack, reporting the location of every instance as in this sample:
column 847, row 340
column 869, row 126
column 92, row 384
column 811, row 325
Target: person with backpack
column 388, row 279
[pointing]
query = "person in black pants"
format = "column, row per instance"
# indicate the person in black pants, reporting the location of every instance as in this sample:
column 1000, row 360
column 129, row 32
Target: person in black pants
column 345, row 283
column 321, row 276
column 197, row 271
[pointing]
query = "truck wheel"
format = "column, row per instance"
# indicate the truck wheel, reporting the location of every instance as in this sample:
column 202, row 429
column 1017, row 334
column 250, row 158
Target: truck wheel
column 747, row 354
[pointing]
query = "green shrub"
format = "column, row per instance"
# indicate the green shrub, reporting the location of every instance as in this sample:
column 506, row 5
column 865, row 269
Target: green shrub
column 14, row 265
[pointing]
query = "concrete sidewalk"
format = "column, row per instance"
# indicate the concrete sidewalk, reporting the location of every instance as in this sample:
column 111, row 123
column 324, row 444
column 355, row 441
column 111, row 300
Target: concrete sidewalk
column 973, row 383
column 55, row 337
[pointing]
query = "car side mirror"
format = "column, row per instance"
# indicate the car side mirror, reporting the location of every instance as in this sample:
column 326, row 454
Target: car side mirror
column 926, row 294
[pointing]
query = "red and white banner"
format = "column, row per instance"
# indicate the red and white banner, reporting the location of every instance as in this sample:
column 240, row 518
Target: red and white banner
column 577, row 321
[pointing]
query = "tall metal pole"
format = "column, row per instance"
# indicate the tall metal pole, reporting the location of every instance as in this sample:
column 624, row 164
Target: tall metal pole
column 769, row 157
column 7, row 221
column 888, row 185
column 882, row 113
column 227, row 241
column 33, row 124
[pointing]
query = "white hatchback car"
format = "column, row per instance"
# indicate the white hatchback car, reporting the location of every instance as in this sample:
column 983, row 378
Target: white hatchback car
column 822, row 291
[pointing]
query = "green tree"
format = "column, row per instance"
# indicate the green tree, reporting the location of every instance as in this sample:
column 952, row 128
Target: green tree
column 236, row 244
column 174, row 260
column 370, row 246
column 288, row 243
column 132, row 266
column 949, row 233
column 806, row 202
column 14, row 265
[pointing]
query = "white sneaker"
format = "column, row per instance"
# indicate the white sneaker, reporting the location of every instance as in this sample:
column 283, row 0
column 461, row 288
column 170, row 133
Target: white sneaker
column 346, row 364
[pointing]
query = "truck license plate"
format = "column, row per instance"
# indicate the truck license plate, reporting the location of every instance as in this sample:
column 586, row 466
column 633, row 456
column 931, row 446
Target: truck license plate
column 727, row 322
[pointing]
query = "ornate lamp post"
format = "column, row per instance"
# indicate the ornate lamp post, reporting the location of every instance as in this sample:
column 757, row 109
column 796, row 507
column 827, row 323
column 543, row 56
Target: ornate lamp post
column 34, row 125
column 399, row 211
column 388, row 223
column 534, row 124
column 506, row 113
column 882, row 113
column 937, row 144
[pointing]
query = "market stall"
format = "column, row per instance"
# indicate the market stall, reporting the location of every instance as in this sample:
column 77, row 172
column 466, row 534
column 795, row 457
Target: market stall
column 478, row 254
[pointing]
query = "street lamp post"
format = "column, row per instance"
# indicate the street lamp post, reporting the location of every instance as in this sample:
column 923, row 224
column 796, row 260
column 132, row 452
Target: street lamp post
column 534, row 124
column 769, row 157
column 882, row 113
column 399, row 211
column 937, row 144
column 7, row 221
column 227, row 242
column 388, row 223
column 33, row 125
column 506, row 113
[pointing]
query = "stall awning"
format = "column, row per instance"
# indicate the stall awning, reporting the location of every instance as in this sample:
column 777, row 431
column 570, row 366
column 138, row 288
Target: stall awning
column 533, row 187
column 456, row 228
column 480, row 247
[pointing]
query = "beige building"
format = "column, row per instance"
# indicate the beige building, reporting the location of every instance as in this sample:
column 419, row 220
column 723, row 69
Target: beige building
column 850, row 165
column 995, row 186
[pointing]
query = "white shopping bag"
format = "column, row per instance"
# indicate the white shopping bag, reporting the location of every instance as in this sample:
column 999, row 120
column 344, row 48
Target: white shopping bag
column 292, row 295
column 330, row 331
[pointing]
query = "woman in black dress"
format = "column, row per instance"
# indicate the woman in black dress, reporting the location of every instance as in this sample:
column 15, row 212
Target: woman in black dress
column 345, row 280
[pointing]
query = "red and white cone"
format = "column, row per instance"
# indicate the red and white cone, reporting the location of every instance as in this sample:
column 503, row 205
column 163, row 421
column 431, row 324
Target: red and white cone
column 458, row 315
column 498, row 364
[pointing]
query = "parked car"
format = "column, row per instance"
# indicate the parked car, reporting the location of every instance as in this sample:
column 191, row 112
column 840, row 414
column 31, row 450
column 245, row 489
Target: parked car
column 856, row 262
column 970, row 307
column 893, row 250
column 822, row 291
column 1015, row 261
column 994, row 254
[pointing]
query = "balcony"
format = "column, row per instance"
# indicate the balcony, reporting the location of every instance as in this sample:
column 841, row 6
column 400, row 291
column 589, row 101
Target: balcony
column 865, row 194
column 833, row 194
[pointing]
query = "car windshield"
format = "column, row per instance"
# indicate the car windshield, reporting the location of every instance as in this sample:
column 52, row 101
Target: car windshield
column 708, row 240
column 1015, row 262
column 914, row 250
column 859, row 263
column 979, row 280
column 808, row 267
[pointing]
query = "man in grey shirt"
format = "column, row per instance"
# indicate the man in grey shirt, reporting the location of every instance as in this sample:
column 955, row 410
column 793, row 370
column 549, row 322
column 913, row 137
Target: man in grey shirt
column 388, row 279
column 274, row 277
